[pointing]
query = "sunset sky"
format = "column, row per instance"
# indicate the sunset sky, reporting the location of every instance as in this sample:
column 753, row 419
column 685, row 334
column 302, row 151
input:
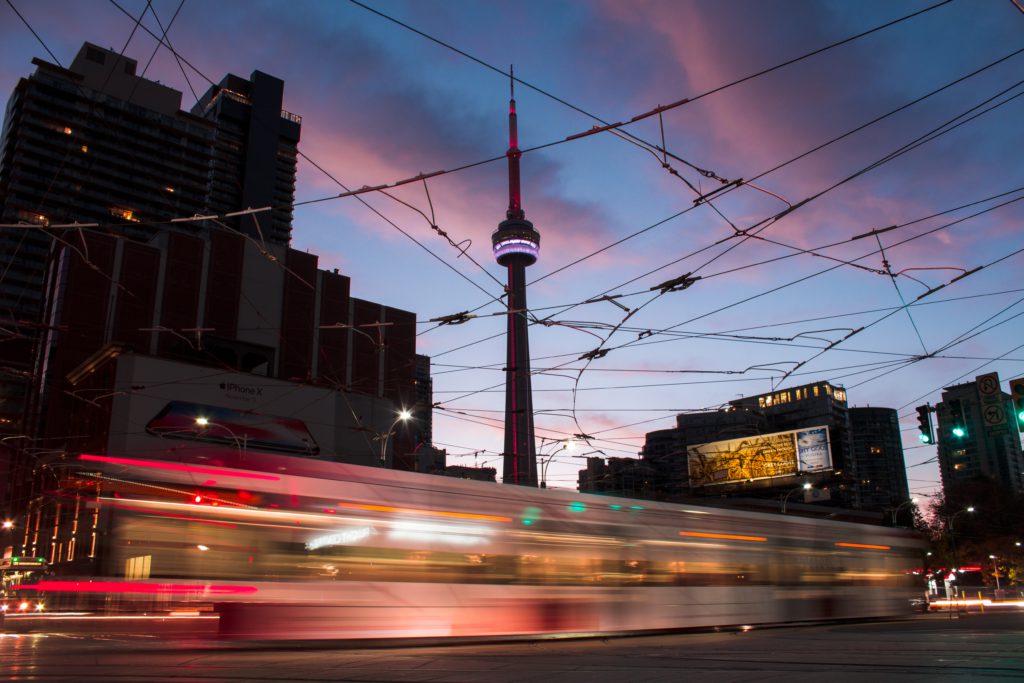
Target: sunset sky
column 781, row 300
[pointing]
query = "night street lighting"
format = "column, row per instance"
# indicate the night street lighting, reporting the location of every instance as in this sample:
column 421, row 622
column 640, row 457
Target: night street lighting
column 567, row 445
column 8, row 524
column 895, row 510
column 403, row 416
column 805, row 487
column 952, row 533
column 240, row 443
column 995, row 569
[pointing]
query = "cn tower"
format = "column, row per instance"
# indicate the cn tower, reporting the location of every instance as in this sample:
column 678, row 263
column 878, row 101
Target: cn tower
column 516, row 245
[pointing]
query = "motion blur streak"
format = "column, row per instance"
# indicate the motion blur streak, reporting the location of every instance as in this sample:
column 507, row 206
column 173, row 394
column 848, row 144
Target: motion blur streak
column 433, row 513
column 410, row 555
column 178, row 467
column 727, row 537
column 187, row 518
column 136, row 587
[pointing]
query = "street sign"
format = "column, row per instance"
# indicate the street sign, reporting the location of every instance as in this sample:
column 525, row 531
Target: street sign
column 993, row 415
column 988, row 385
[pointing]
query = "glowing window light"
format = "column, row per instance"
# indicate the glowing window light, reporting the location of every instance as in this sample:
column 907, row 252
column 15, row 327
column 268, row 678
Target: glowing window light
column 516, row 245
column 439, row 533
column 420, row 511
column 724, row 537
column 863, row 546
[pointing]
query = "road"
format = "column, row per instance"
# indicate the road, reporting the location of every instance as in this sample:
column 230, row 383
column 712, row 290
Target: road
column 928, row 647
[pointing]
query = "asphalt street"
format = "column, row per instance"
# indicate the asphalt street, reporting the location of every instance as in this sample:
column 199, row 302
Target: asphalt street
column 929, row 647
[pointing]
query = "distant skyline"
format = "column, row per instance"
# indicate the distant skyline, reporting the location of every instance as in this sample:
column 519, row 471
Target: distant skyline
column 647, row 303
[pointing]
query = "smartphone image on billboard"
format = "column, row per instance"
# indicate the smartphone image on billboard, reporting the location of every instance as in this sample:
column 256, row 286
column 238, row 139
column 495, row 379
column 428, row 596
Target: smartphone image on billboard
column 226, row 426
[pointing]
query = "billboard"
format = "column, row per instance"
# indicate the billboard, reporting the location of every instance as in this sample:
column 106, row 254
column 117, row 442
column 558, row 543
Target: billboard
column 162, row 407
column 220, row 425
column 765, row 456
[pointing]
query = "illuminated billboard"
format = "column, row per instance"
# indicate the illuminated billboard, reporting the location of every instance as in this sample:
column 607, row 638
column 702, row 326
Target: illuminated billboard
column 765, row 456
column 164, row 407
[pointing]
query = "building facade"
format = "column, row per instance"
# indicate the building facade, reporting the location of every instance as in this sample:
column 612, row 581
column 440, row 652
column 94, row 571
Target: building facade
column 662, row 471
column 148, row 267
column 978, row 435
column 97, row 145
column 878, row 453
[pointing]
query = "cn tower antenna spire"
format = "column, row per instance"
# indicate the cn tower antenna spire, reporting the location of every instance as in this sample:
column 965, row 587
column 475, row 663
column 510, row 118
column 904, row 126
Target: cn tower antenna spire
column 517, row 245
column 515, row 201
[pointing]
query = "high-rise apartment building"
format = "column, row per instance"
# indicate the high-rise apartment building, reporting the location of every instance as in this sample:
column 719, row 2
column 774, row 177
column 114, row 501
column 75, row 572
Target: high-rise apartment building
column 96, row 144
column 878, row 452
column 254, row 153
column 978, row 435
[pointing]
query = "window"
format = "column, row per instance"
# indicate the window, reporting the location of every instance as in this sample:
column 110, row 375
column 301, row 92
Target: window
column 94, row 55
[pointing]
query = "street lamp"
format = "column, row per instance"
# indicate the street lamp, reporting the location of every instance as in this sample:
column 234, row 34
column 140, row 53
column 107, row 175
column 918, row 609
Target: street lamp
column 995, row 569
column 240, row 443
column 895, row 510
column 567, row 445
column 952, row 533
column 805, row 487
column 403, row 416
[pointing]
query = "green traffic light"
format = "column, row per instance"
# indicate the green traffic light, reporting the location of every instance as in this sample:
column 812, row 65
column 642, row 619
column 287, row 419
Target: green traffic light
column 1020, row 416
column 959, row 431
column 924, row 438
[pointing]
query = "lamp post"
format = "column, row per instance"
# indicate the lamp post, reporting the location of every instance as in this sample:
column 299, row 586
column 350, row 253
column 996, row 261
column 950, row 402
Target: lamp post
column 403, row 416
column 895, row 510
column 240, row 443
column 952, row 533
column 995, row 569
column 805, row 487
column 567, row 445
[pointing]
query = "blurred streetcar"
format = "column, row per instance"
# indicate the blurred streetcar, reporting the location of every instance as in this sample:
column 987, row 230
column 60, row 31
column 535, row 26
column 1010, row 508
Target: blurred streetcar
column 285, row 548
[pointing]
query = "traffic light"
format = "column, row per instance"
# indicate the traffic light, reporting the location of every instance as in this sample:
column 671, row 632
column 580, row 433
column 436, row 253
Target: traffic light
column 956, row 418
column 924, row 423
column 1017, row 394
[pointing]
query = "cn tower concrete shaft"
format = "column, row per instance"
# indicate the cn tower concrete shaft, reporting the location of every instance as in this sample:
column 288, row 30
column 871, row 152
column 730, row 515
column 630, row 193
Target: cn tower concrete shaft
column 520, row 454
column 516, row 245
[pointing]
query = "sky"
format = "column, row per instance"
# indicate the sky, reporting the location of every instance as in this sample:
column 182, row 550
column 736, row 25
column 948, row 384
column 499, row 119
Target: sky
column 915, row 125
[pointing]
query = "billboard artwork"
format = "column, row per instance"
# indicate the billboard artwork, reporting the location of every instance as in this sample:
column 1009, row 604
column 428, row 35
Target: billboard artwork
column 812, row 450
column 765, row 456
column 220, row 425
